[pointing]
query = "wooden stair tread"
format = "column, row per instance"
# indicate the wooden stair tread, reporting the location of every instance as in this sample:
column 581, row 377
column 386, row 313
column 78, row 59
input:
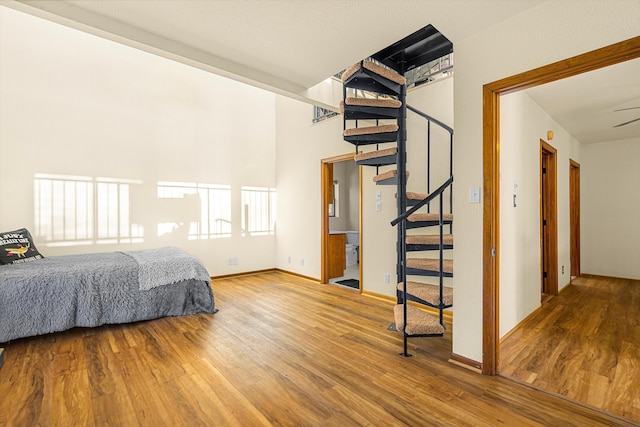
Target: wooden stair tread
column 368, row 130
column 429, row 239
column 375, row 68
column 418, row 217
column 418, row 321
column 388, row 175
column 430, row 264
column 374, row 154
column 385, row 175
column 411, row 195
column 428, row 292
column 414, row 196
column 373, row 102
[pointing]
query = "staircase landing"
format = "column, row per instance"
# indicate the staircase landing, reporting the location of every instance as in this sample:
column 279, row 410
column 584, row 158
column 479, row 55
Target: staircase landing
column 425, row 45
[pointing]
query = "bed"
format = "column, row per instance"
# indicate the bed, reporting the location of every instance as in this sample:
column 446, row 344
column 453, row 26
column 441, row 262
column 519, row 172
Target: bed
column 61, row 292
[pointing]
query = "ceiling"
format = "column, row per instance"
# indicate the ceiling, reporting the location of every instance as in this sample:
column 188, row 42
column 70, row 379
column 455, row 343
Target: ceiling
column 584, row 105
column 288, row 46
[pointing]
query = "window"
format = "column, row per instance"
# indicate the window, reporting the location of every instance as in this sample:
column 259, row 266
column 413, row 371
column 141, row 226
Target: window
column 320, row 114
column 258, row 211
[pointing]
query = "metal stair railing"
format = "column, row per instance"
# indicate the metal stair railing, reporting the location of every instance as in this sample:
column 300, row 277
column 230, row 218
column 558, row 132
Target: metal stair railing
column 423, row 202
column 402, row 220
column 450, row 131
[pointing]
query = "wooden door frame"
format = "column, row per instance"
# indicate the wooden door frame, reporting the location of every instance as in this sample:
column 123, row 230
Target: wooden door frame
column 491, row 92
column 324, row 214
column 574, row 218
column 552, row 217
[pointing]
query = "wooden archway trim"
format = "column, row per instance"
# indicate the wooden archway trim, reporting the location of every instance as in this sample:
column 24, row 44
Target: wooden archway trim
column 326, row 182
column 604, row 57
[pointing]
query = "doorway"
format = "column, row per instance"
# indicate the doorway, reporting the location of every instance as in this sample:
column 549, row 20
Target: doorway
column 600, row 58
column 548, row 219
column 341, row 217
column 574, row 217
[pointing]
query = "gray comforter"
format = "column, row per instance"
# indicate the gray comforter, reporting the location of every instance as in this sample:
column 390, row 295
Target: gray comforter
column 58, row 293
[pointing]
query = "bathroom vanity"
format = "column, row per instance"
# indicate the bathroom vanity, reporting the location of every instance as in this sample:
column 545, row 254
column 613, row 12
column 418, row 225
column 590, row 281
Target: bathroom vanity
column 336, row 253
column 342, row 251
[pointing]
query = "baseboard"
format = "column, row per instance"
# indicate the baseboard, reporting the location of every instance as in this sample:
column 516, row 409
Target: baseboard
column 267, row 270
column 1, row 357
column 466, row 363
column 448, row 314
column 302, row 276
column 379, row 296
column 599, row 276
column 564, row 288
column 519, row 324
column 245, row 273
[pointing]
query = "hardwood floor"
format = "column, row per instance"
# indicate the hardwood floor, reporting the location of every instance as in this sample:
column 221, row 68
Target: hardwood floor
column 281, row 351
column 583, row 344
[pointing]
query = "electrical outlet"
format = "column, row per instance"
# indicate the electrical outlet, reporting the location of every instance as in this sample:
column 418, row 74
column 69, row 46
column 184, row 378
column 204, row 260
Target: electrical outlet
column 301, row 261
column 233, row 261
column 289, row 260
column 378, row 206
column 387, row 278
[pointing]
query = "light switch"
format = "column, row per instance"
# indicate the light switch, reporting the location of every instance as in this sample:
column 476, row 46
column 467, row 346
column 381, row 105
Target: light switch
column 474, row 195
column 378, row 195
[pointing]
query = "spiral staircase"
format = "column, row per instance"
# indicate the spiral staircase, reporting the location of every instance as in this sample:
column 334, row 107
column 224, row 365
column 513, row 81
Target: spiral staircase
column 374, row 110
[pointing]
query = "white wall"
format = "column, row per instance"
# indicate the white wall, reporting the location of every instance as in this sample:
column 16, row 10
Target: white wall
column 346, row 173
column 522, row 125
column 73, row 104
column 339, row 222
column 550, row 32
column 610, row 202
column 353, row 196
column 301, row 145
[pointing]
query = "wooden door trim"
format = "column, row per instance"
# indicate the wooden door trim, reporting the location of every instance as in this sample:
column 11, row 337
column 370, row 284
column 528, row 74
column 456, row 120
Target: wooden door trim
column 324, row 211
column 552, row 219
column 574, row 218
column 491, row 92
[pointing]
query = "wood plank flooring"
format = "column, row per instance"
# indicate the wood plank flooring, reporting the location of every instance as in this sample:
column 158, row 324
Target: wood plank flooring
column 281, row 351
column 583, row 344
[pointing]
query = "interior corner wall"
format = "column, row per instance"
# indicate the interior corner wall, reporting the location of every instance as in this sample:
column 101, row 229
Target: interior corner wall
column 522, row 125
column 547, row 33
column 301, row 145
column 346, row 174
column 610, row 202
column 353, row 196
column 339, row 222
column 78, row 107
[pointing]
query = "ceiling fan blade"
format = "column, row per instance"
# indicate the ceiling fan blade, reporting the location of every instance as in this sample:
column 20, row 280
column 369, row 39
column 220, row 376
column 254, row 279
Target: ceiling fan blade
column 626, row 123
column 624, row 109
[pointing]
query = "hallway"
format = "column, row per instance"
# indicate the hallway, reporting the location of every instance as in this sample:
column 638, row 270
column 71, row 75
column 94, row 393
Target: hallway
column 583, row 344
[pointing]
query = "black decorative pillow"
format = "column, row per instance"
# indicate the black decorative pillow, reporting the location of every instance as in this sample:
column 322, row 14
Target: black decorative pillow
column 17, row 247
